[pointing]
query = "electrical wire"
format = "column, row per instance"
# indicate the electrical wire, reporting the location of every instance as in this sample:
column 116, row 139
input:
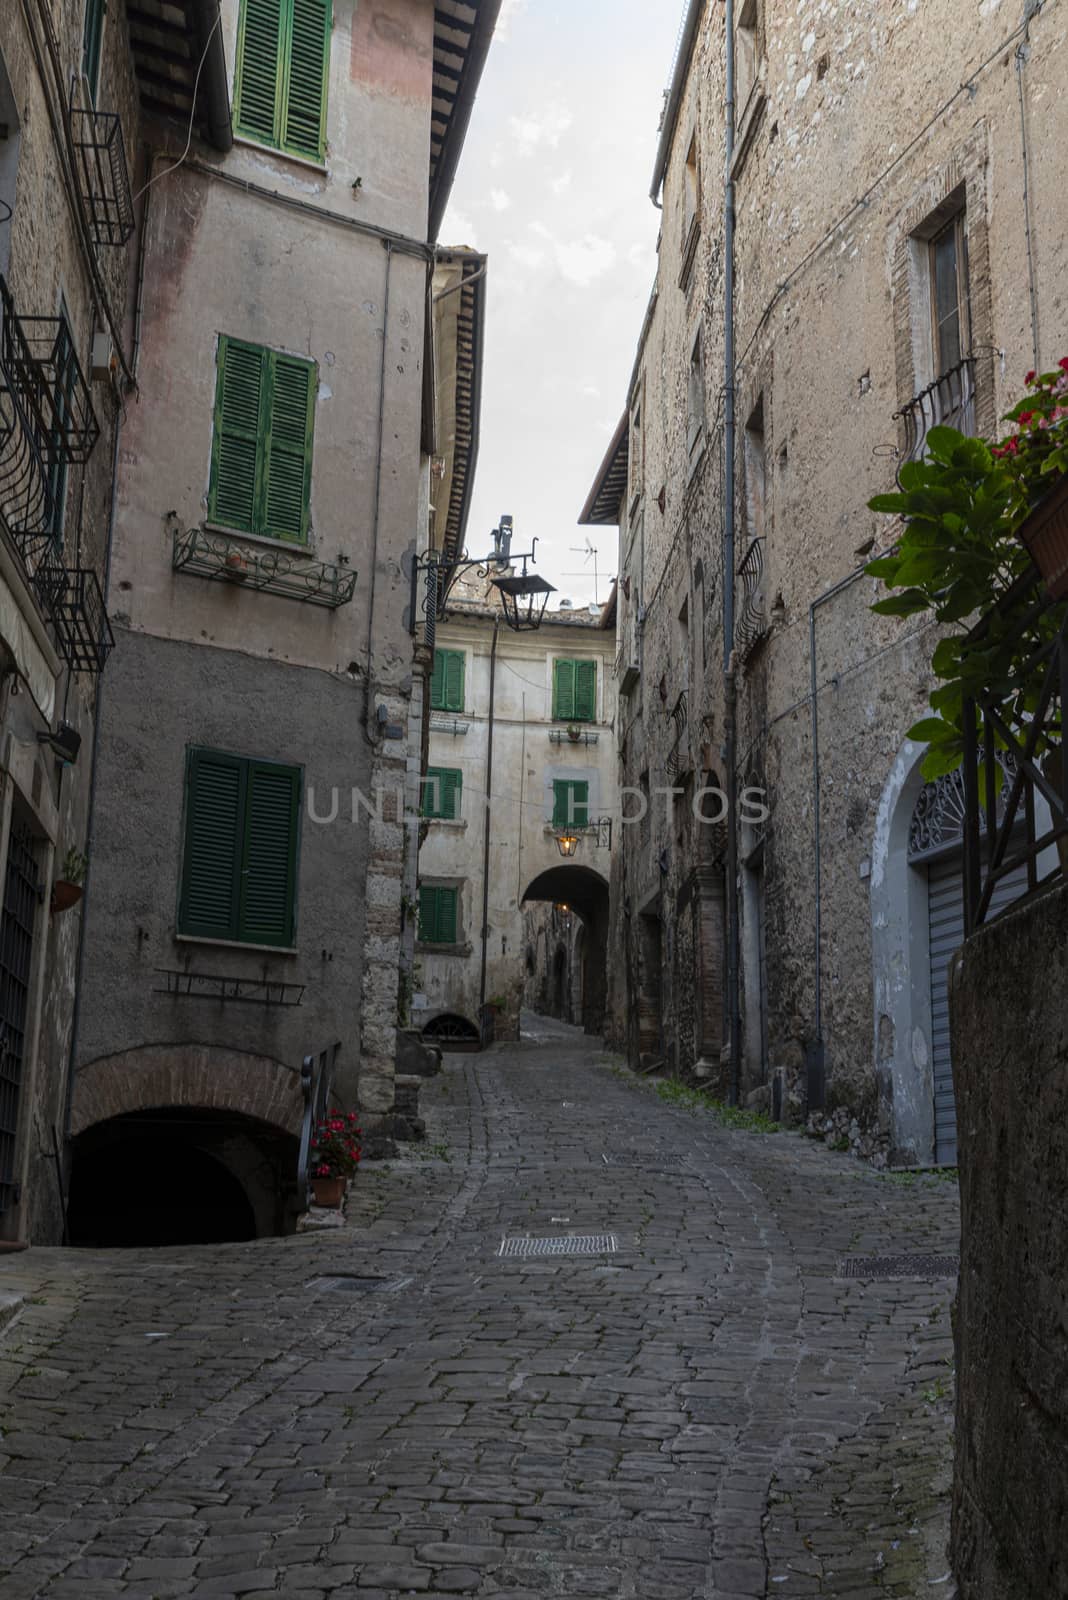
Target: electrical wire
column 192, row 114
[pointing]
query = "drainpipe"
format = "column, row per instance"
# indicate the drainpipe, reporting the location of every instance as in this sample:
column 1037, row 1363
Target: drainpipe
column 212, row 52
column 730, row 731
column 815, row 1051
column 371, row 729
column 486, row 833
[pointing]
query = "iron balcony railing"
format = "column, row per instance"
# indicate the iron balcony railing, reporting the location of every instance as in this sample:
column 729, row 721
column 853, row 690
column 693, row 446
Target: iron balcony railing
column 947, row 402
column 224, row 560
column 753, row 617
column 316, row 1082
column 1020, row 817
column 103, row 174
column 47, row 421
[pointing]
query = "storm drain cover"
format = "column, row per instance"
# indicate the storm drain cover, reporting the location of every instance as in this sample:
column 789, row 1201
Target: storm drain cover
column 574, row 1244
column 351, row 1283
column 899, row 1267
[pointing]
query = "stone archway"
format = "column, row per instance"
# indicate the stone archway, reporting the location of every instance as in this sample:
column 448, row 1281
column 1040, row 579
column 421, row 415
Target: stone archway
column 200, row 1077
column 586, row 893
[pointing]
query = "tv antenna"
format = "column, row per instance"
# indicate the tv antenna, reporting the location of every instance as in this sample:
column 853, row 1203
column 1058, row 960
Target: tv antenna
column 589, row 550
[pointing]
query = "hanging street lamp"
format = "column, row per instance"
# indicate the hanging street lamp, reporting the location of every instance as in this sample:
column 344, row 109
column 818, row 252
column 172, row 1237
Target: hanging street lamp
column 523, row 596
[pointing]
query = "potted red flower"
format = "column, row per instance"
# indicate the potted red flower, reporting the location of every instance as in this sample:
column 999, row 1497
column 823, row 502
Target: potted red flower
column 335, row 1155
column 1037, row 456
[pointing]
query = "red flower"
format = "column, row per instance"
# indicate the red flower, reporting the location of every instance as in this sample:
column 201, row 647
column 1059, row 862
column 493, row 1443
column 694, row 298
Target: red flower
column 1024, row 418
column 1030, row 378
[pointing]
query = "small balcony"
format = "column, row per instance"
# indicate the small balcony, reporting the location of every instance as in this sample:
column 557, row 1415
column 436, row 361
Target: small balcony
column 947, row 402
column 221, row 559
column 753, row 617
column 103, row 174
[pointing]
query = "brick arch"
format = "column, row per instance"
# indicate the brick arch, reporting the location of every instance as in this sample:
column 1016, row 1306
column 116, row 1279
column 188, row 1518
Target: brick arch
column 205, row 1077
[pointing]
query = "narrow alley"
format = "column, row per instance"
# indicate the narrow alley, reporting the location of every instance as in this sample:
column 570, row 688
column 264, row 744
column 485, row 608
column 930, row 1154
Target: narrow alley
column 713, row 1407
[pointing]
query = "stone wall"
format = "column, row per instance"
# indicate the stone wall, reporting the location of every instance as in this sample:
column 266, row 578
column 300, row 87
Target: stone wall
column 1010, row 1064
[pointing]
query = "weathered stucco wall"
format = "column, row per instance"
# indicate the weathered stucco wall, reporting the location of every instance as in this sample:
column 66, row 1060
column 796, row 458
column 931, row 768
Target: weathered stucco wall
column 1010, row 1064
column 856, row 130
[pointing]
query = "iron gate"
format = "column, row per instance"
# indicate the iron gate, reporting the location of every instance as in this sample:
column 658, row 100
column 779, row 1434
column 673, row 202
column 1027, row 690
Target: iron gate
column 22, row 894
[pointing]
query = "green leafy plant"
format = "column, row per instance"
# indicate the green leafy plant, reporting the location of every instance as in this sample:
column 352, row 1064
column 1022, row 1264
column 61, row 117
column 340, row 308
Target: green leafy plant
column 75, row 865
column 959, row 555
column 336, row 1146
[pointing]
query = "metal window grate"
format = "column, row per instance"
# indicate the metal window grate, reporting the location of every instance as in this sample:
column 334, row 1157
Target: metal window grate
column 583, row 1244
column 104, row 174
column 899, row 1267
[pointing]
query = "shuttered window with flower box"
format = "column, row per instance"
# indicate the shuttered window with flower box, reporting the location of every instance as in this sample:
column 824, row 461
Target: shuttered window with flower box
column 262, row 446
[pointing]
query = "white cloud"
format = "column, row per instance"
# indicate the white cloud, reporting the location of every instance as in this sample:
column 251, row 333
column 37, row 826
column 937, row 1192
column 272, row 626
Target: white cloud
column 527, row 255
column 510, row 10
column 459, row 229
column 499, row 200
column 582, row 261
column 558, row 185
column 535, row 130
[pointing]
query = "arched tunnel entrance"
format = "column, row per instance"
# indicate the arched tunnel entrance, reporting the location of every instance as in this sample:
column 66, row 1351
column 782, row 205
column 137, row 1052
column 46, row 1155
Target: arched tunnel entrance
column 180, row 1176
column 585, row 892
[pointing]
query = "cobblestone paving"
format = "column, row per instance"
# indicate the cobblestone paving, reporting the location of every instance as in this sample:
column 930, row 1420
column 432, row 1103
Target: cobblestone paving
column 707, row 1412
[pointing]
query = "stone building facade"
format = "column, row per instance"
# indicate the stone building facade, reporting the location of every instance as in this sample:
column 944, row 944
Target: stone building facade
column 492, row 813
column 896, row 176
column 69, row 118
column 263, row 282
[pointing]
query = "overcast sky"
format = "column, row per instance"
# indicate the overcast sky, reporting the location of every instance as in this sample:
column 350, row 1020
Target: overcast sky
column 553, row 185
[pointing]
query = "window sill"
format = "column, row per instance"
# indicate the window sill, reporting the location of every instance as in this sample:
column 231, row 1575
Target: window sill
column 445, row 822
column 262, row 538
column 306, row 162
column 442, row 949
column 237, row 944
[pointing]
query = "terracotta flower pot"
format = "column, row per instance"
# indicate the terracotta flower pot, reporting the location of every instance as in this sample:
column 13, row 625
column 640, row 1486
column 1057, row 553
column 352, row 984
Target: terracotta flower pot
column 328, row 1191
column 236, row 566
column 65, row 894
column 1044, row 535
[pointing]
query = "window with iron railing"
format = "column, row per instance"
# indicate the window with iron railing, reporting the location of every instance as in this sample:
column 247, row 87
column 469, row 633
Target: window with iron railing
column 941, row 317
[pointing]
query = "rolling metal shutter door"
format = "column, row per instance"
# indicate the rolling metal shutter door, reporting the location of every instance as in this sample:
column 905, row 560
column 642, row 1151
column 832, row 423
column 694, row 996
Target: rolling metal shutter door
column 945, row 906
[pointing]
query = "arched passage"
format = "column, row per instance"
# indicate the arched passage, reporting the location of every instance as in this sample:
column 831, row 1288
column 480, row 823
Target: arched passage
column 586, row 893
column 180, row 1176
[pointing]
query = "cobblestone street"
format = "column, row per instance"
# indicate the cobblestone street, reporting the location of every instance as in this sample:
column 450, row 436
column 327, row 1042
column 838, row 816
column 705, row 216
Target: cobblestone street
column 709, row 1411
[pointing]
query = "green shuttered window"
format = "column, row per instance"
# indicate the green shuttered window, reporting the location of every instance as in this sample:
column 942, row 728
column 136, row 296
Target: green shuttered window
column 442, row 789
column 438, row 915
column 574, row 691
column 283, row 56
column 262, row 446
column 571, row 803
column 239, row 865
column 447, row 681
column 92, row 39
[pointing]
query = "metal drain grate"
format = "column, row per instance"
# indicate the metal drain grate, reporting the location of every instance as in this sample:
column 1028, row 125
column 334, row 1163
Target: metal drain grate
column 579, row 1244
column 351, row 1283
column 899, row 1267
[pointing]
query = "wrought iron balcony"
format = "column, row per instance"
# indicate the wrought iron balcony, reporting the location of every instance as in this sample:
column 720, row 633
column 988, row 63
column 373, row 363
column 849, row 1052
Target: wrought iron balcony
column 224, row 560
column 753, row 620
column 947, row 402
column 104, row 175
column 46, row 418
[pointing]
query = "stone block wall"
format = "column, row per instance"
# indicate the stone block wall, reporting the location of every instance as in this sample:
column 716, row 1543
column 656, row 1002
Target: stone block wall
column 1009, row 1002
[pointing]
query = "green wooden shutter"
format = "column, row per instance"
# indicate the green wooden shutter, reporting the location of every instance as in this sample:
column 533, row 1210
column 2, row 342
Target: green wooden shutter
column 288, row 449
column 304, row 101
column 437, row 682
column 585, row 691
column 451, row 793
column 563, row 691
column 92, row 39
column 570, row 803
column 428, row 915
column 260, row 69
column 442, row 787
column 269, row 864
column 454, row 680
column 237, row 445
column 214, row 811
column 446, row 923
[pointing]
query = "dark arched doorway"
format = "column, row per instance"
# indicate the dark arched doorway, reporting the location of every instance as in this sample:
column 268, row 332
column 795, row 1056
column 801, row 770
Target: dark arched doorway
column 180, row 1176
column 585, row 893
column 451, row 1031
